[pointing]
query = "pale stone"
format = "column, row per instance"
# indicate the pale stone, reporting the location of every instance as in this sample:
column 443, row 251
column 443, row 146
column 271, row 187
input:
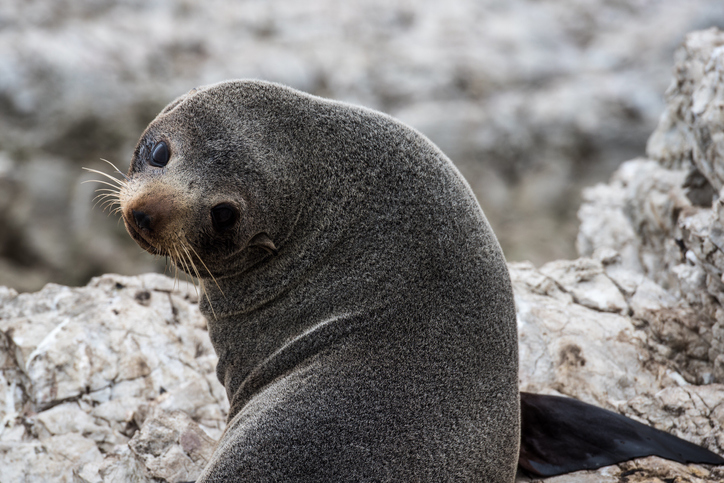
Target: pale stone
column 173, row 447
column 586, row 281
column 123, row 465
column 578, row 351
column 109, row 352
column 48, row 460
column 670, row 211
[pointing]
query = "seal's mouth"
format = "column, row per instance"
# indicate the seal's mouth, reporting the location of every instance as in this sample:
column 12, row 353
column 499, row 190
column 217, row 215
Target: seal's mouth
column 142, row 242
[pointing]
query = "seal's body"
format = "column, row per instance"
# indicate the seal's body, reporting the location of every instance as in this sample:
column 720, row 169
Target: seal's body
column 361, row 307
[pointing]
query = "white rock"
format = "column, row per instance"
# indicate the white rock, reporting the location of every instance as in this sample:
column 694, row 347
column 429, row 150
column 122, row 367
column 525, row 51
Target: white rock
column 587, row 282
column 109, row 352
column 572, row 349
column 172, row 446
column 666, row 215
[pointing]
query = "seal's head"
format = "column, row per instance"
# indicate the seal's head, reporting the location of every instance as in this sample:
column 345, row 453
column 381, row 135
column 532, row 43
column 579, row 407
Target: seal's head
column 191, row 193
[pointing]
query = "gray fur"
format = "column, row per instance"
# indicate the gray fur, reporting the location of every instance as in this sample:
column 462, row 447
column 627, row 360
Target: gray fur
column 379, row 343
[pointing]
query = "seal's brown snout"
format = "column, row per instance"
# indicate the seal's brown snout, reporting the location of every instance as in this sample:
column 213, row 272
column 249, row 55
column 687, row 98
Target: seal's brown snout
column 143, row 221
column 150, row 217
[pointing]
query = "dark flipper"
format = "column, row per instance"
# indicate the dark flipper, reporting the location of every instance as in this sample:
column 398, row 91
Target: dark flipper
column 560, row 435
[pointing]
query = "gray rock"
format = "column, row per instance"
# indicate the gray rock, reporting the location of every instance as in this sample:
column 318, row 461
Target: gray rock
column 587, row 283
column 172, row 446
column 611, row 360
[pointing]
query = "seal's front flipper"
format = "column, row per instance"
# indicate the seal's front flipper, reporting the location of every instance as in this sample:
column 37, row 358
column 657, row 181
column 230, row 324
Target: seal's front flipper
column 560, row 435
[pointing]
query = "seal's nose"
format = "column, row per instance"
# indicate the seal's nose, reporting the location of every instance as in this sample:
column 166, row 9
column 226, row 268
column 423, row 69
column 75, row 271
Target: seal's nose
column 143, row 221
column 154, row 217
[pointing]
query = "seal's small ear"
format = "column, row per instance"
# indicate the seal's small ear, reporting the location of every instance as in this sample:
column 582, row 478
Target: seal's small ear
column 262, row 240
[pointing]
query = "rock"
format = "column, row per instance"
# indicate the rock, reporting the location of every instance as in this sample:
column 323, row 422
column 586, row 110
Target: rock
column 608, row 359
column 657, row 228
column 48, row 460
column 84, row 368
column 668, row 210
column 123, row 465
column 690, row 130
column 568, row 348
column 150, row 419
column 585, row 280
column 172, row 446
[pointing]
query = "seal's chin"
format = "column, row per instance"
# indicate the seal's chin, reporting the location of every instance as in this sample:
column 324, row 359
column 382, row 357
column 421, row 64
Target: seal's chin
column 142, row 242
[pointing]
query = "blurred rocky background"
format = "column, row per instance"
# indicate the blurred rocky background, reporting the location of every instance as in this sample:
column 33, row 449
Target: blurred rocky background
column 531, row 99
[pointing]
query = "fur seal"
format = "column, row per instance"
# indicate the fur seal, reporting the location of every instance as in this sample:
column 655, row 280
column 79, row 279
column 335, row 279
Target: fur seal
column 360, row 305
column 356, row 296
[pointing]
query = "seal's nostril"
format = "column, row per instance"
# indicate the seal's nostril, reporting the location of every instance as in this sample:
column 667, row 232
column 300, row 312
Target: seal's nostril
column 143, row 221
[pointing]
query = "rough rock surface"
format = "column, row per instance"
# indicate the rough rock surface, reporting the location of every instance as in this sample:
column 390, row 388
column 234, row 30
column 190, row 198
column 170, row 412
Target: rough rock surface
column 115, row 381
column 663, row 215
column 531, row 99
column 84, row 368
column 580, row 333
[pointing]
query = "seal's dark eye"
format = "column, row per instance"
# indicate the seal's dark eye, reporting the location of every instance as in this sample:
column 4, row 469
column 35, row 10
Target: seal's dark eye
column 223, row 216
column 160, row 155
